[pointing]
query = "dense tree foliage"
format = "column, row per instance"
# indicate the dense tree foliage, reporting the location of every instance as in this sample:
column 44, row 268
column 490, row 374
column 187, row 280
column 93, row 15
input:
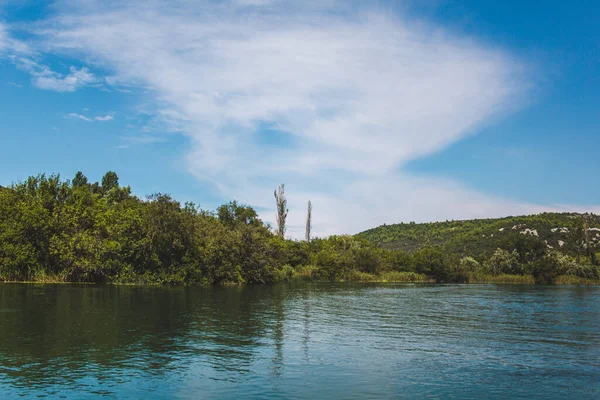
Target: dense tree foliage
column 480, row 238
column 77, row 231
column 544, row 246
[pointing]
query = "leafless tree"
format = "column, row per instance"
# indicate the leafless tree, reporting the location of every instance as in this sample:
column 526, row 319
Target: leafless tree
column 308, row 221
column 282, row 211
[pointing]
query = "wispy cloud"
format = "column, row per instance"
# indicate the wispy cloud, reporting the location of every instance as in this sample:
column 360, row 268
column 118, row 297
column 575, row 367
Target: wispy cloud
column 354, row 96
column 3, row 38
column 351, row 96
column 78, row 116
column 102, row 118
column 43, row 77
column 10, row 45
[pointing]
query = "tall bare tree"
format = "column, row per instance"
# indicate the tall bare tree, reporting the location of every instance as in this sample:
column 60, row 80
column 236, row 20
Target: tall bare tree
column 308, row 221
column 282, row 211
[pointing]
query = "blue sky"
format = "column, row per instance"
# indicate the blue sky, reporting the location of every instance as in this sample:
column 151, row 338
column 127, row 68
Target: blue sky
column 395, row 111
column 548, row 152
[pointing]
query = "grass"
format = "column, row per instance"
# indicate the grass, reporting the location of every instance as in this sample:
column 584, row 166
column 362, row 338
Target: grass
column 391, row 276
column 310, row 273
column 576, row 280
column 40, row 278
column 504, row 278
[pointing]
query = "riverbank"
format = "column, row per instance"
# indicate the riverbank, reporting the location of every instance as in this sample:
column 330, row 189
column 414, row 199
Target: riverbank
column 311, row 273
column 391, row 277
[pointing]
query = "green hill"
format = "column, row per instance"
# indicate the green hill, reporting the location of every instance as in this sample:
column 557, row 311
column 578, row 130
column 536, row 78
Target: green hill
column 481, row 237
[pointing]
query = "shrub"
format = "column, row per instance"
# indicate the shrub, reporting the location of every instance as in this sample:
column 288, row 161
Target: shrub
column 547, row 269
column 432, row 262
column 504, row 262
column 284, row 274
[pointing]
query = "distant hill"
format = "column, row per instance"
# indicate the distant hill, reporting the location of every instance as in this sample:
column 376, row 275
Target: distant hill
column 480, row 237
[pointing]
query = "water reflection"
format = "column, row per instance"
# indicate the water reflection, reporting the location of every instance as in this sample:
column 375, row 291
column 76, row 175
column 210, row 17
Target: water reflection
column 52, row 334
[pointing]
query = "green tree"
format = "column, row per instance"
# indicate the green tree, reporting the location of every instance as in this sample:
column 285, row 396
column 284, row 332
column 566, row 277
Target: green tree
column 233, row 215
column 504, row 262
column 79, row 180
column 433, row 262
column 110, row 180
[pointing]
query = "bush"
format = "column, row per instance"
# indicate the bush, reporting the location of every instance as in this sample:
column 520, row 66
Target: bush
column 366, row 260
column 401, row 261
column 432, row 262
column 332, row 265
column 546, row 270
column 504, row 262
column 582, row 271
column 284, row 274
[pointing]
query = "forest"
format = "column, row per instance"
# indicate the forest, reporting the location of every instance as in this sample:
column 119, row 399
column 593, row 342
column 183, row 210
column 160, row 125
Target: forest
column 54, row 230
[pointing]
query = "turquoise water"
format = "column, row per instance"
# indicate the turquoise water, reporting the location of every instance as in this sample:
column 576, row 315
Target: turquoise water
column 300, row 341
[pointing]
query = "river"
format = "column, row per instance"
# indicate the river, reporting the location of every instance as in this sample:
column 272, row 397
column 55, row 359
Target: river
column 317, row 340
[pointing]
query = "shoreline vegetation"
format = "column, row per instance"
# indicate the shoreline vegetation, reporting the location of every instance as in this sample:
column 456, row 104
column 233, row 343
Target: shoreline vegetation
column 355, row 277
column 74, row 231
column 358, row 277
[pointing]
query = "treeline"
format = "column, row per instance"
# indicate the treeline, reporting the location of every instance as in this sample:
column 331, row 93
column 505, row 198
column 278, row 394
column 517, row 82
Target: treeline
column 77, row 231
column 565, row 232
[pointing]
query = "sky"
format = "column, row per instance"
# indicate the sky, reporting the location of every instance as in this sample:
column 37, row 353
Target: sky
column 378, row 112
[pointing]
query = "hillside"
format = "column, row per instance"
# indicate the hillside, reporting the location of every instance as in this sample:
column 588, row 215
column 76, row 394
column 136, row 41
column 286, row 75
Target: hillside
column 480, row 237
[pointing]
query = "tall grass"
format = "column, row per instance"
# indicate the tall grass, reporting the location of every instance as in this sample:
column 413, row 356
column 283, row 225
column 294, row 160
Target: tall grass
column 503, row 278
column 391, row 276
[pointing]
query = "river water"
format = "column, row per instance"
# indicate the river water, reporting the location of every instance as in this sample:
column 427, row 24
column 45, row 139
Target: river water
column 300, row 341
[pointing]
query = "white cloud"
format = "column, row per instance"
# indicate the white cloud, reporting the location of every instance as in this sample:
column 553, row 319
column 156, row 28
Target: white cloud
column 45, row 78
column 82, row 117
column 42, row 76
column 353, row 96
column 3, row 38
column 10, row 45
column 79, row 116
